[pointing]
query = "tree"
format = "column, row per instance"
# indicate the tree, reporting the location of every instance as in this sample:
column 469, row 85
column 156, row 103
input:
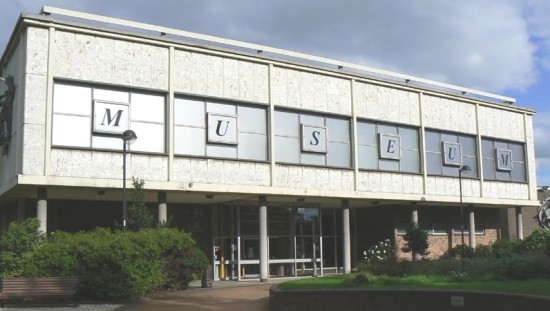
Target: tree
column 416, row 241
column 138, row 216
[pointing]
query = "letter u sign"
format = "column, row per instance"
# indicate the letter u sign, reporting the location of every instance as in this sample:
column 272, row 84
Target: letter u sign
column 222, row 129
column 452, row 153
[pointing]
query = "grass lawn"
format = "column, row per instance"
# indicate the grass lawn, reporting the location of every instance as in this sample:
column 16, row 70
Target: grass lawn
column 533, row 287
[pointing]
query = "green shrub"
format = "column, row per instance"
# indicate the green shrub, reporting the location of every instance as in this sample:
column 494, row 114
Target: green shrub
column 361, row 279
column 388, row 267
column 441, row 266
column 114, row 266
column 16, row 243
column 547, row 248
column 456, row 252
column 522, row 267
column 483, row 251
column 537, row 240
column 503, row 249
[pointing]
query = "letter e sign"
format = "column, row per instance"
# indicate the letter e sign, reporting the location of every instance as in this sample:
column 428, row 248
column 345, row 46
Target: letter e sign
column 314, row 138
column 222, row 129
column 389, row 146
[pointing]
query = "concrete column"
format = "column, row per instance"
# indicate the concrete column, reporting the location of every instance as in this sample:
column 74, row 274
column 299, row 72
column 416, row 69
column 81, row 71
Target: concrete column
column 472, row 227
column 414, row 216
column 519, row 223
column 163, row 209
column 414, row 223
column 20, row 210
column 42, row 209
column 264, row 264
column 346, row 237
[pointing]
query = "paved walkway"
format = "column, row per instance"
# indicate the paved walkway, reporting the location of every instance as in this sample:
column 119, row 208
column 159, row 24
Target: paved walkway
column 223, row 295
column 250, row 295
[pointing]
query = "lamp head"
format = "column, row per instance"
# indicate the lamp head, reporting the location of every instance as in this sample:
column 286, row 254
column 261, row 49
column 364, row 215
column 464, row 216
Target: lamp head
column 465, row 169
column 129, row 137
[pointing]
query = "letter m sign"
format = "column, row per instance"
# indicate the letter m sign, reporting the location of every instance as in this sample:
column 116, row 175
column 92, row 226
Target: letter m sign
column 110, row 118
column 504, row 159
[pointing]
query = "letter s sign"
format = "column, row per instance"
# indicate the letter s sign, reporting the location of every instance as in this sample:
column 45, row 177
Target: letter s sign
column 314, row 138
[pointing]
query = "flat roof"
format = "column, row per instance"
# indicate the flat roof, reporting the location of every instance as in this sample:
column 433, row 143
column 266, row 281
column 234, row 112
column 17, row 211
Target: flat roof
column 260, row 51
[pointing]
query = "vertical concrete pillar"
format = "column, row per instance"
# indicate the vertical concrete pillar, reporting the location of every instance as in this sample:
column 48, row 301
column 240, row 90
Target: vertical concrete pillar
column 414, row 224
column 20, row 210
column 519, row 223
column 414, row 216
column 4, row 219
column 472, row 227
column 263, row 239
column 163, row 209
column 346, row 252
column 42, row 209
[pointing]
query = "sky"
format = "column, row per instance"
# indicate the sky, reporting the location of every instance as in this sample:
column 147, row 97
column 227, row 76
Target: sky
column 497, row 46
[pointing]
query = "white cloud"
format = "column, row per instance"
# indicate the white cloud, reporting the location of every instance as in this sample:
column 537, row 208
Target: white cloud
column 478, row 44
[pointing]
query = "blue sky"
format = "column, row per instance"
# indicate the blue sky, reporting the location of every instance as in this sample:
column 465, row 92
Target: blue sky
column 498, row 46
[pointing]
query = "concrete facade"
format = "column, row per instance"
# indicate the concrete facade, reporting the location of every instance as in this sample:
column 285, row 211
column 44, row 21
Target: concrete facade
column 47, row 51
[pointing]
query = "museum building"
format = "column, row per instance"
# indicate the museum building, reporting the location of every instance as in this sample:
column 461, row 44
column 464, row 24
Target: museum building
column 278, row 163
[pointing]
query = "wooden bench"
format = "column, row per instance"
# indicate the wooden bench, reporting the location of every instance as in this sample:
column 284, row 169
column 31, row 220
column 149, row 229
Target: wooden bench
column 24, row 287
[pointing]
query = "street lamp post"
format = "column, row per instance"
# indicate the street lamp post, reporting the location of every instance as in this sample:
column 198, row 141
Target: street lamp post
column 128, row 138
column 462, row 169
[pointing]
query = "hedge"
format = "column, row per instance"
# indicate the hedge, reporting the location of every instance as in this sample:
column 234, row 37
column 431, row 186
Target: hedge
column 113, row 265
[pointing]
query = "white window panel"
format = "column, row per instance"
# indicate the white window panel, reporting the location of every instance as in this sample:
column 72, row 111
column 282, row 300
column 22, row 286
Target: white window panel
column 338, row 154
column 252, row 146
column 189, row 140
column 221, row 108
column 107, row 142
column 366, row 133
column 287, row 149
column 312, row 120
column 313, row 158
column 221, row 151
column 73, row 131
column 72, row 99
column 150, row 137
column 146, row 107
column 252, row 120
column 111, row 95
column 287, row 124
column 189, row 112
column 339, row 130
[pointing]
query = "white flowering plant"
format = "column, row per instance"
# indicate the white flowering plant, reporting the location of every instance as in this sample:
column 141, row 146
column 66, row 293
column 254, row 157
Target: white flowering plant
column 381, row 251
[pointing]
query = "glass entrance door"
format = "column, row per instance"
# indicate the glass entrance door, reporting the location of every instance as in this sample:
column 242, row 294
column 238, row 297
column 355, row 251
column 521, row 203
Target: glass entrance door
column 295, row 243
